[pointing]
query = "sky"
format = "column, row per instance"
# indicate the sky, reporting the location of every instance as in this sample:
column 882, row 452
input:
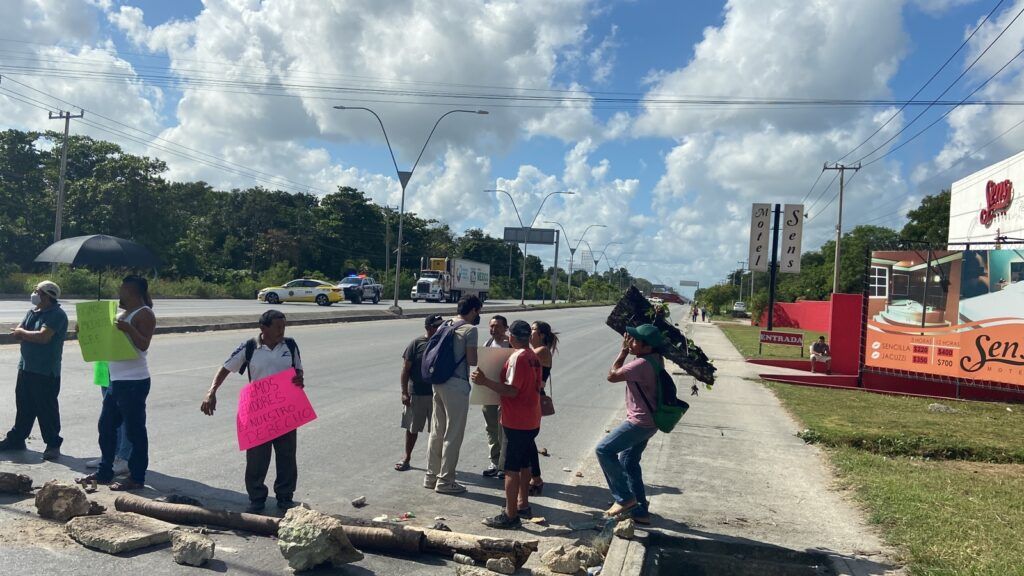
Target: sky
column 665, row 119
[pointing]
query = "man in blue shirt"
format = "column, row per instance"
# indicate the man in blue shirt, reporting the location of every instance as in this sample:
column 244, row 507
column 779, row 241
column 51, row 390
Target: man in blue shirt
column 41, row 335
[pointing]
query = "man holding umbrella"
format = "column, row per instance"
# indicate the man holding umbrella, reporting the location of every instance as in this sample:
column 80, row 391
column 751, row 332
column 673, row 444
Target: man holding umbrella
column 41, row 335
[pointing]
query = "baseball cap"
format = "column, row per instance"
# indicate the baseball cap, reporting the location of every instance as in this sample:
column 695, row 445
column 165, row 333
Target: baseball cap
column 433, row 320
column 648, row 334
column 49, row 288
column 520, row 329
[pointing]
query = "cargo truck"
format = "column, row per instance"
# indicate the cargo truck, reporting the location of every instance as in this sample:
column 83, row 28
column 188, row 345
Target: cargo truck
column 449, row 279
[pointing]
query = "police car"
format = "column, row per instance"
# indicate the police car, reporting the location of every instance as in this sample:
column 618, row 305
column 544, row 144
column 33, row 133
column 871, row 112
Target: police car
column 302, row 290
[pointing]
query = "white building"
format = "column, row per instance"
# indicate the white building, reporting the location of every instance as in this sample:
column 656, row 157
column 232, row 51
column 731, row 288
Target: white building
column 985, row 205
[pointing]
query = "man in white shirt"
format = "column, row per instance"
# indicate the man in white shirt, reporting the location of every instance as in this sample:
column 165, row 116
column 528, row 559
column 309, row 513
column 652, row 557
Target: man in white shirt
column 492, row 413
column 270, row 353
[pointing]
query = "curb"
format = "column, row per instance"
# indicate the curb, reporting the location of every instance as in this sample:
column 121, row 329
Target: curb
column 626, row 557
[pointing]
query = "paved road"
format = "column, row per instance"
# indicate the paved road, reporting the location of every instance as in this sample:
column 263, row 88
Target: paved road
column 12, row 311
column 352, row 380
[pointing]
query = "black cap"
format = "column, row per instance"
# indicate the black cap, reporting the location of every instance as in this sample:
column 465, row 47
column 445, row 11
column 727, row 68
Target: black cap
column 433, row 320
column 520, row 329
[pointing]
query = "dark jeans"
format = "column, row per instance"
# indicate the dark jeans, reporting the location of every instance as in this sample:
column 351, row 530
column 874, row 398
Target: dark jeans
column 124, row 403
column 619, row 455
column 35, row 398
column 257, row 463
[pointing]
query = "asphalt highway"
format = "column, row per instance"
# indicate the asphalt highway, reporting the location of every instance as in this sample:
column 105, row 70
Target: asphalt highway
column 349, row 451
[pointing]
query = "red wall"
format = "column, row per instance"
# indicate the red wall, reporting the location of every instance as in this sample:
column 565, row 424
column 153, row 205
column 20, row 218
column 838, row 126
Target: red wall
column 808, row 315
column 844, row 332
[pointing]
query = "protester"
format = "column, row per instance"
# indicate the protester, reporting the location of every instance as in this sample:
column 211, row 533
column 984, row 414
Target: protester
column 124, row 447
column 451, row 404
column 492, row 413
column 125, row 402
column 418, row 404
column 544, row 343
column 620, row 451
column 41, row 336
column 821, row 352
column 265, row 355
column 519, row 388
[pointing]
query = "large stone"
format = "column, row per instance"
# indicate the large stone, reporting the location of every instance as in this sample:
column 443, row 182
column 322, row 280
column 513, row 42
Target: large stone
column 118, row 532
column 501, row 565
column 463, row 570
column 61, row 501
column 589, row 557
column 308, row 538
column 191, row 549
column 563, row 560
column 11, row 483
column 625, row 529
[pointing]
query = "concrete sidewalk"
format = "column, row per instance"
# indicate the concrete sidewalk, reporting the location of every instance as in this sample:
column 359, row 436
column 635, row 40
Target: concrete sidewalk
column 735, row 471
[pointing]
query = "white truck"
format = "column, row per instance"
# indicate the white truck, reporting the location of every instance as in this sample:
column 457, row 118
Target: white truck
column 449, row 279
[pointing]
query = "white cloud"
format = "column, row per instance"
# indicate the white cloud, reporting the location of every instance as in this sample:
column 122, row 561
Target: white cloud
column 602, row 58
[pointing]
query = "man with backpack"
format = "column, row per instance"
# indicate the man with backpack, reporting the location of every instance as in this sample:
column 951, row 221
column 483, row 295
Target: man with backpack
column 419, row 403
column 267, row 354
column 620, row 451
column 449, row 354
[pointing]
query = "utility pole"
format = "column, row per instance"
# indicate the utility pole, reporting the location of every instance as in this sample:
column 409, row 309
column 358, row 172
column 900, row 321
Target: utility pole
column 839, row 221
column 66, row 117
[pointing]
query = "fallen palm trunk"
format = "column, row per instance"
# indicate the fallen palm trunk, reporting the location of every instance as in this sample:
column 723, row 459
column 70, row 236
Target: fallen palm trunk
column 364, row 534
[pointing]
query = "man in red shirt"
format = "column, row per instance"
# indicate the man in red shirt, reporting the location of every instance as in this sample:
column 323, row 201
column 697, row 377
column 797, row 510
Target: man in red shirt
column 519, row 388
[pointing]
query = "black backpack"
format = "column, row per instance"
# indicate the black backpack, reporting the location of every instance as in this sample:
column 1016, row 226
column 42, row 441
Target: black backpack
column 250, row 349
column 438, row 364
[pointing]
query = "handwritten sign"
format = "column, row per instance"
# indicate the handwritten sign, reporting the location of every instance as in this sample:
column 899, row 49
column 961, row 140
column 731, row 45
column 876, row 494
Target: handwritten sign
column 490, row 361
column 98, row 337
column 101, row 374
column 270, row 408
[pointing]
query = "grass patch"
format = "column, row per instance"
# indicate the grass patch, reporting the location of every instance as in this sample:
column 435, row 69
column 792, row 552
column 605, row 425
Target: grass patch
column 903, row 426
column 746, row 339
column 946, row 489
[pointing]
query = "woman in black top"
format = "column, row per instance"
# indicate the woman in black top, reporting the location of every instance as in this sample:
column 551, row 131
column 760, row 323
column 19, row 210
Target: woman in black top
column 544, row 343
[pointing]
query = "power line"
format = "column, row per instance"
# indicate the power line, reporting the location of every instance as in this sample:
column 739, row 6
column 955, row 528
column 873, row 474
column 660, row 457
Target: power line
column 820, row 196
column 804, row 199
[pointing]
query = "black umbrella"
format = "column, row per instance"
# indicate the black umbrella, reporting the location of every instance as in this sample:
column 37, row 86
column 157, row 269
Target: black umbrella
column 99, row 251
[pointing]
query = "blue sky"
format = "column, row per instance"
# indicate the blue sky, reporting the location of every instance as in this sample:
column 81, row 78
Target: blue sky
column 673, row 185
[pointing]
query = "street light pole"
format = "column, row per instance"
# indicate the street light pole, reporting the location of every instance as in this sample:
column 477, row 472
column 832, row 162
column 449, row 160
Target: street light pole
column 743, row 264
column 403, row 179
column 526, row 234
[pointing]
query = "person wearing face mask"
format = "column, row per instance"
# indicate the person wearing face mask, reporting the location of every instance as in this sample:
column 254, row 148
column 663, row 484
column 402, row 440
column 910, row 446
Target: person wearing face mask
column 492, row 413
column 451, row 404
column 41, row 335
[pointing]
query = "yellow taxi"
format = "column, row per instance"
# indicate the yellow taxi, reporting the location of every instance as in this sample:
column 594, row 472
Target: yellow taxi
column 302, row 290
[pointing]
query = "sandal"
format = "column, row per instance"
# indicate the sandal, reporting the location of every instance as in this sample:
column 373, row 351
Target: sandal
column 126, row 486
column 619, row 509
column 536, row 489
column 402, row 466
column 90, row 480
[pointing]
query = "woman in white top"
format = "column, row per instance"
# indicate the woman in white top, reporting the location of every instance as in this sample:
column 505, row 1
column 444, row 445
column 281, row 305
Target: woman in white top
column 129, row 387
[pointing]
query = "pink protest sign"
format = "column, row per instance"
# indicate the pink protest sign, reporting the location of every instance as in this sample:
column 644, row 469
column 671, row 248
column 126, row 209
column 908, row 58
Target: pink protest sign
column 271, row 407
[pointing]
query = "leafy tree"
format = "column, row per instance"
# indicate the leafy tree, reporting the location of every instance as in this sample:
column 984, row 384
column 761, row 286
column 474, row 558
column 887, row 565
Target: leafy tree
column 929, row 222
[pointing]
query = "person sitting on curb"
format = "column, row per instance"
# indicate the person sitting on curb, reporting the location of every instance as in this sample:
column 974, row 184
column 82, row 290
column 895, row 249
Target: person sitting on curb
column 820, row 352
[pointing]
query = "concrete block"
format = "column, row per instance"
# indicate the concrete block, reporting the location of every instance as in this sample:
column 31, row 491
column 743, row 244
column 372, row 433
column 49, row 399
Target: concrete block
column 118, row 532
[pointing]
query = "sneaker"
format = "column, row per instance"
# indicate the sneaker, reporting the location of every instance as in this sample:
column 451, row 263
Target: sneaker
column 502, row 521
column 255, row 506
column 286, row 503
column 93, row 463
column 491, row 471
column 51, row 453
column 120, row 466
column 453, row 488
column 9, row 445
column 501, row 475
column 525, row 512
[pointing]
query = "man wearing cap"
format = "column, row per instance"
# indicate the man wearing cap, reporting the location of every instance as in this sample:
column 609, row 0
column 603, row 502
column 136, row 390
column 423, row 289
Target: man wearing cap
column 420, row 402
column 41, row 335
column 620, row 451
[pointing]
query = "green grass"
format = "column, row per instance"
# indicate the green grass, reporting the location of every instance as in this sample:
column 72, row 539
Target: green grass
column 940, row 486
column 745, row 339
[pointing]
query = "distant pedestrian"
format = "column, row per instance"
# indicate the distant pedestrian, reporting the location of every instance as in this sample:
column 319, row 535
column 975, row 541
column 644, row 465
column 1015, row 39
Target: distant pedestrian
column 451, row 403
column 267, row 354
column 519, row 388
column 125, row 401
column 420, row 400
column 41, row 336
column 492, row 413
column 694, row 312
column 703, row 314
column 544, row 343
column 620, row 451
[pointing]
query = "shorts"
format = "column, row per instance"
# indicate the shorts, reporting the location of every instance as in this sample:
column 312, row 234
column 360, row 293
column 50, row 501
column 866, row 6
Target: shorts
column 416, row 416
column 821, row 357
column 520, row 448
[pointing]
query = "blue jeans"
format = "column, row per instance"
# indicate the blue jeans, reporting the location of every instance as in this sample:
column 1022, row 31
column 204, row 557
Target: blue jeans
column 125, row 403
column 124, row 447
column 619, row 455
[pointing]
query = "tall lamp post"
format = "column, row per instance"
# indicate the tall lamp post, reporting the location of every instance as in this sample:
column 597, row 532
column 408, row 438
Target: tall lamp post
column 526, row 234
column 615, row 263
column 572, row 249
column 403, row 179
column 743, row 265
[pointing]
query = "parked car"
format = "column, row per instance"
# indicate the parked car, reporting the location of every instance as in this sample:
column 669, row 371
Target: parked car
column 739, row 309
column 358, row 289
column 301, row 290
